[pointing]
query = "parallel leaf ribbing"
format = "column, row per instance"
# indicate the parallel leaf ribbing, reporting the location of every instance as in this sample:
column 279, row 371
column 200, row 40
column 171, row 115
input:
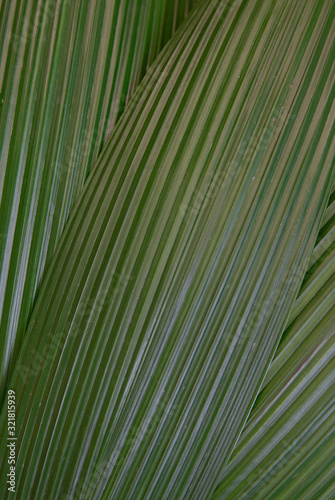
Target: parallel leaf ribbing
column 170, row 288
column 287, row 445
column 67, row 70
column 293, row 454
column 314, row 302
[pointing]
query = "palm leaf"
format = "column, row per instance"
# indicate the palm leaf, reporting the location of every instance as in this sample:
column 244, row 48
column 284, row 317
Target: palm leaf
column 287, row 447
column 67, row 70
column 170, row 288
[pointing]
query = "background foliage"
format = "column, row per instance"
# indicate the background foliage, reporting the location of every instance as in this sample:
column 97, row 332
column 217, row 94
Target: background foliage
column 167, row 251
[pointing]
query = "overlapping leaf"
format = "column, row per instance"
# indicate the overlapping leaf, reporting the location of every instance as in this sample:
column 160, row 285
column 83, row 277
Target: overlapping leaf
column 287, row 447
column 67, row 69
column 167, row 295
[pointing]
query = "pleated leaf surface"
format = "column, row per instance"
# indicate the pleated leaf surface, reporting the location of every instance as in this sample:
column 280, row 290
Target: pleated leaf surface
column 170, row 288
column 287, row 447
column 67, row 70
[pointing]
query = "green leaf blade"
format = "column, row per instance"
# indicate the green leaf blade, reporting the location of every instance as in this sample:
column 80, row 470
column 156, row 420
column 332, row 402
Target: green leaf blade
column 169, row 291
column 67, row 71
column 287, row 445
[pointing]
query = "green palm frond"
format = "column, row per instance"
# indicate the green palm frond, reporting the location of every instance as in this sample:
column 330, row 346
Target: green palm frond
column 169, row 291
column 67, row 70
column 287, row 447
